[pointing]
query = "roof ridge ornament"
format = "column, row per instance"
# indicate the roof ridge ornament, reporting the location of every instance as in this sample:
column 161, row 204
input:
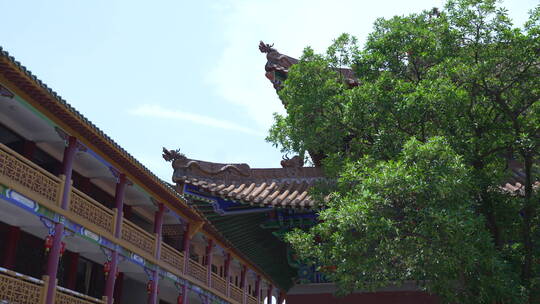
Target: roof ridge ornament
column 294, row 162
column 172, row 155
column 266, row 48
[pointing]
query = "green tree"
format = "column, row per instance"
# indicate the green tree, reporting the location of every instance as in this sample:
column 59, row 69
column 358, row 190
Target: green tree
column 447, row 106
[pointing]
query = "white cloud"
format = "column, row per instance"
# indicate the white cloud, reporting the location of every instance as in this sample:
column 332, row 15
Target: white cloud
column 156, row 111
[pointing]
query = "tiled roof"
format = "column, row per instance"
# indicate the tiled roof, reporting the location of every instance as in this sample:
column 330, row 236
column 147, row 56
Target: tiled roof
column 277, row 67
column 277, row 187
column 515, row 184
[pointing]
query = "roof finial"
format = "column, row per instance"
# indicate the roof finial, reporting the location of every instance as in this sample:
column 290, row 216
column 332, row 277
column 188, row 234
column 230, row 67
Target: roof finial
column 266, row 48
column 172, row 155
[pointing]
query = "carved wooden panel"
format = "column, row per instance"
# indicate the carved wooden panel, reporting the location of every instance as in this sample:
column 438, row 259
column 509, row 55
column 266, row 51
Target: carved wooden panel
column 91, row 210
column 197, row 271
column 172, row 257
column 138, row 237
column 251, row 300
column 219, row 284
column 17, row 169
column 236, row 293
column 17, row 290
column 65, row 297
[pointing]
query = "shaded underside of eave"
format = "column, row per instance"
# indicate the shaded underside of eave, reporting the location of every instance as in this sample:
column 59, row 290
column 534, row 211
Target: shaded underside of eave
column 259, row 245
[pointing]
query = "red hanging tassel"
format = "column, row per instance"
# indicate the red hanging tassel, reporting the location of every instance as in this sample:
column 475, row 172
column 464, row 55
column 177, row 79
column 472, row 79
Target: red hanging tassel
column 48, row 243
column 107, row 268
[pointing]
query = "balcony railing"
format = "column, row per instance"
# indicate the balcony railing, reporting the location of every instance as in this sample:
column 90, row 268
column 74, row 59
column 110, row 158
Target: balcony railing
column 66, row 296
column 172, row 257
column 138, row 237
column 197, row 271
column 21, row 289
column 27, row 177
column 219, row 284
column 251, row 300
column 236, row 293
column 87, row 208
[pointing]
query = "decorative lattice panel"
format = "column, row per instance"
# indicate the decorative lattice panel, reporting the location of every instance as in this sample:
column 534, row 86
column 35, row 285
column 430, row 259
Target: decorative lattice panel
column 172, row 257
column 138, row 237
column 17, row 290
column 91, row 210
column 236, row 293
column 219, row 284
column 21, row 171
column 63, row 297
column 197, row 271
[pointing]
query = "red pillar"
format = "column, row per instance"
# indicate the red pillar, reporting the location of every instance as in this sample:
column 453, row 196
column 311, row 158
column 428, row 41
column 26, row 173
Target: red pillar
column 12, row 240
column 118, row 286
column 227, row 271
column 119, row 204
column 243, row 282
column 185, row 245
column 269, row 294
column 281, row 297
column 54, row 254
column 258, row 288
column 158, row 229
column 71, row 280
column 208, row 253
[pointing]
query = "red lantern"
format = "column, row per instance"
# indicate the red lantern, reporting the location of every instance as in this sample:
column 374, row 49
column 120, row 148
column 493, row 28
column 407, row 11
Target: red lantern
column 149, row 286
column 107, row 268
column 48, row 243
column 62, row 248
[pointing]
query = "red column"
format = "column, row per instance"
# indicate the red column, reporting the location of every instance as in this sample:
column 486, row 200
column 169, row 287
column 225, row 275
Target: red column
column 158, row 229
column 118, row 286
column 281, row 297
column 227, row 271
column 243, row 282
column 13, row 236
column 71, row 280
column 185, row 245
column 208, row 253
column 258, row 289
column 54, row 254
column 269, row 294
column 119, row 204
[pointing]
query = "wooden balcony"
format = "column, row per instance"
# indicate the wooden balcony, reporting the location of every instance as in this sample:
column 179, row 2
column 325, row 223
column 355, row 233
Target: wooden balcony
column 237, row 294
column 28, row 178
column 197, row 271
column 138, row 237
column 251, row 299
column 34, row 182
column 92, row 211
column 219, row 284
column 21, row 289
column 66, row 296
column 172, row 257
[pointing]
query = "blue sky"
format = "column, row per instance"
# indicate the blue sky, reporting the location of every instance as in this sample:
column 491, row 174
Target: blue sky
column 182, row 74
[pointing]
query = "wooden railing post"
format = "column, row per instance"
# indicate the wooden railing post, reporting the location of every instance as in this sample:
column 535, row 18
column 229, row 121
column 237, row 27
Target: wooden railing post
column 43, row 297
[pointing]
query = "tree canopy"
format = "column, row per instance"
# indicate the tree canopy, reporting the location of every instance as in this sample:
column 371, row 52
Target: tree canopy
column 448, row 102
